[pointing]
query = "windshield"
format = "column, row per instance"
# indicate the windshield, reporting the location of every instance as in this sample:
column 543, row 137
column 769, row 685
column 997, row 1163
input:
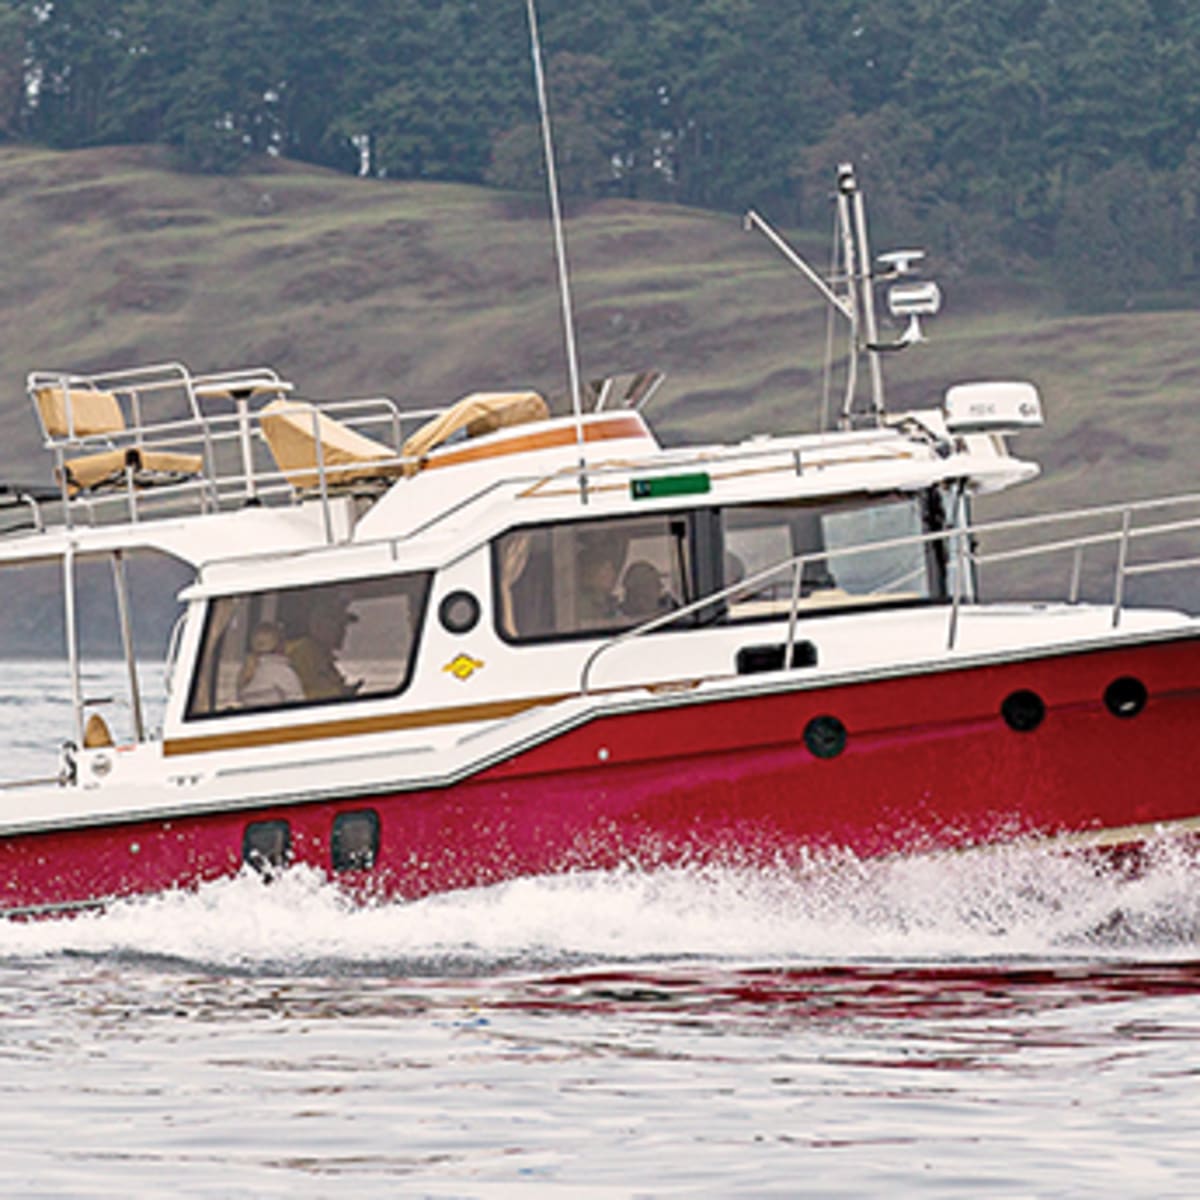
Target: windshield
column 353, row 639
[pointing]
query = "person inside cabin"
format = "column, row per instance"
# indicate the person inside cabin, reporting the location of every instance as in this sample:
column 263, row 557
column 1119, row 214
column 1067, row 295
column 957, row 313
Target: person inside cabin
column 314, row 656
column 808, row 537
column 267, row 677
column 597, row 581
column 735, row 572
column 644, row 595
column 735, row 568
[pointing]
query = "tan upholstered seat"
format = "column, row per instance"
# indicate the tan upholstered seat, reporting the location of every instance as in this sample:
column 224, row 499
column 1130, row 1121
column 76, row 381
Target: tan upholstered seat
column 292, row 430
column 78, row 412
column 91, row 472
column 478, row 413
column 69, row 414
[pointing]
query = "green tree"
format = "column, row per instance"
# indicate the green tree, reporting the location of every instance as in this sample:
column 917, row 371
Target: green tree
column 15, row 27
column 77, row 49
column 586, row 132
column 225, row 104
column 315, row 42
column 1120, row 235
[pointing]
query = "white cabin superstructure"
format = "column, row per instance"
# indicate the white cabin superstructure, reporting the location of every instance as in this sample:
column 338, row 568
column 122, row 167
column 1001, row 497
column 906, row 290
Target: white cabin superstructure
column 448, row 517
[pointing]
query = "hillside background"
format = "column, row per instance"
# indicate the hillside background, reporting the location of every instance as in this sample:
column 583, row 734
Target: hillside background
column 352, row 194
column 1060, row 132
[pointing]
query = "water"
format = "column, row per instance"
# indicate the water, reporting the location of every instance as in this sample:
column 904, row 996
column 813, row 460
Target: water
column 1010, row 1024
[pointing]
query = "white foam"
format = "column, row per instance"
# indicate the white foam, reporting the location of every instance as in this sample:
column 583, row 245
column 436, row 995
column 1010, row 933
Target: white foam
column 1017, row 902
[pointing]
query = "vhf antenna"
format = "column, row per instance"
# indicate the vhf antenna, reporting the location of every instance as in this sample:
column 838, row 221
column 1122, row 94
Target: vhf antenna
column 560, row 245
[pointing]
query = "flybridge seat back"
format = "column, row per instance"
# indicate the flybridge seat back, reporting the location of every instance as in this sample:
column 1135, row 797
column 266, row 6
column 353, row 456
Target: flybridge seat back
column 476, row 415
column 351, row 459
column 993, row 407
column 293, row 429
column 71, row 414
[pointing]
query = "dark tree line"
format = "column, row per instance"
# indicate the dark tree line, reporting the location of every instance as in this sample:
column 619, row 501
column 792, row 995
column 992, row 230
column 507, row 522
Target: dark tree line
column 1063, row 130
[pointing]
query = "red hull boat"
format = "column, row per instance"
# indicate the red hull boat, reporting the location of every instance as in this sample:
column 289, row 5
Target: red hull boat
column 437, row 649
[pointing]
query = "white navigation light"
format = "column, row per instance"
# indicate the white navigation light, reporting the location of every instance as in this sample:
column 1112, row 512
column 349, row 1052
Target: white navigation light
column 992, row 407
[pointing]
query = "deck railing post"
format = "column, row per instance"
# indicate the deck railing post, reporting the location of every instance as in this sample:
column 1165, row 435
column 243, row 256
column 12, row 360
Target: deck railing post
column 60, row 471
column 121, row 583
column 956, row 603
column 1076, row 576
column 209, row 492
column 72, row 635
column 322, row 485
column 1122, row 559
column 797, row 572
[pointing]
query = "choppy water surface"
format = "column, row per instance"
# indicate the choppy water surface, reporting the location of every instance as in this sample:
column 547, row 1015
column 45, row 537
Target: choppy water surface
column 1009, row 1024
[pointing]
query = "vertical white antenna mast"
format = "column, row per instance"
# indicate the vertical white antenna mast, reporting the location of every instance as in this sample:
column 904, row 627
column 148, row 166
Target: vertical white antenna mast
column 845, row 188
column 870, row 327
column 560, row 245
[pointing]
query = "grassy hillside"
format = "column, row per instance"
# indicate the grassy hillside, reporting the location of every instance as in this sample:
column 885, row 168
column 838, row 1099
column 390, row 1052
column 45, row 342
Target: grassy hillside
column 425, row 292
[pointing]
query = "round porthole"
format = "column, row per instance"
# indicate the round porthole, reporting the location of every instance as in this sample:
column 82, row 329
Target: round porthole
column 1024, row 711
column 825, row 737
column 1125, row 697
column 459, row 612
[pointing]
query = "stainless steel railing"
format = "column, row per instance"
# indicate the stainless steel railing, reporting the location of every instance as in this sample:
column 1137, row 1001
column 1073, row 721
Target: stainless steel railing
column 171, row 388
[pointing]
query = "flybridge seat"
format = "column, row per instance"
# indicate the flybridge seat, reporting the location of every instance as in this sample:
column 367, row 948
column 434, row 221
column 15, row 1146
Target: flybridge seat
column 85, row 417
column 142, row 427
column 304, row 440
column 297, row 432
column 475, row 415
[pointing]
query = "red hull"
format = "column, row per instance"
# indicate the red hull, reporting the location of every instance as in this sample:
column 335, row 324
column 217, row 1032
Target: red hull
column 929, row 762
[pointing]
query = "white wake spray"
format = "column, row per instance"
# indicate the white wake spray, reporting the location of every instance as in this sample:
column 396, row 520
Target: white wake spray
column 1016, row 902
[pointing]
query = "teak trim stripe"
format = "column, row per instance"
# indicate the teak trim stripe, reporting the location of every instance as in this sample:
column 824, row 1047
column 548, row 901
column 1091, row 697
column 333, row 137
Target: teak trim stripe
column 354, row 726
column 616, row 427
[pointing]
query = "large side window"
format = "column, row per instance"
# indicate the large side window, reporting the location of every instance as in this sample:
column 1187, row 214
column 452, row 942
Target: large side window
column 309, row 645
column 586, row 577
column 847, row 558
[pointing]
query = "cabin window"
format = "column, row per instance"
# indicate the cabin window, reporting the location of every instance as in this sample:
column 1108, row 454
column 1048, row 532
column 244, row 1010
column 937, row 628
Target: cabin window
column 327, row 643
column 267, row 845
column 355, row 842
column 842, row 567
column 592, row 577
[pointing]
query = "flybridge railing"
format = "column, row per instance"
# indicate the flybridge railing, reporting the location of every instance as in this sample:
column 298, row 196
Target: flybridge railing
column 131, row 494
column 961, row 553
column 192, row 456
